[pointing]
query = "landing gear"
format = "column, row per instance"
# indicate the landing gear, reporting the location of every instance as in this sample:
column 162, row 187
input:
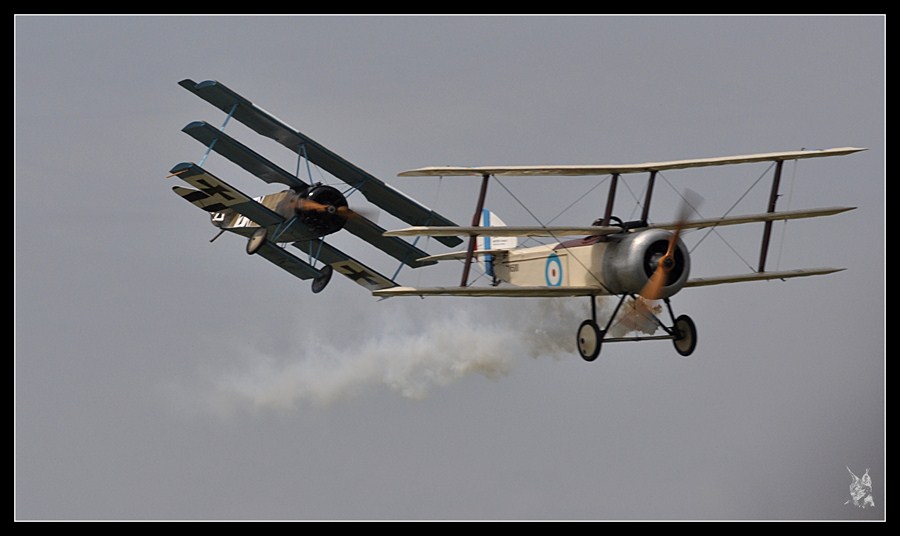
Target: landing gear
column 684, row 335
column 256, row 240
column 319, row 283
column 590, row 336
column 589, row 340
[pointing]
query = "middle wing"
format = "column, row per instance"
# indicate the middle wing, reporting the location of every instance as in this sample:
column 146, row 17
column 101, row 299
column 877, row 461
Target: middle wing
column 602, row 231
column 511, row 230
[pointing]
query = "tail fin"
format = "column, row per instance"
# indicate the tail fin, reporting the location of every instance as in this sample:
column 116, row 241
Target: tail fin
column 489, row 219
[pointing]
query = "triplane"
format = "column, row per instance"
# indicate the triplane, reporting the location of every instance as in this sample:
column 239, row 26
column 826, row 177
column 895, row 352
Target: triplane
column 634, row 259
column 638, row 261
column 304, row 213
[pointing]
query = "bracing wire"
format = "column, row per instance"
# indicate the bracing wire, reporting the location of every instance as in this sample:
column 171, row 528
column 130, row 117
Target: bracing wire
column 582, row 196
column 727, row 212
column 637, row 201
column 558, row 241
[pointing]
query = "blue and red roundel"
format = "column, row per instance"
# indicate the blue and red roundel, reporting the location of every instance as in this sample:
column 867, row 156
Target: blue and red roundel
column 553, row 272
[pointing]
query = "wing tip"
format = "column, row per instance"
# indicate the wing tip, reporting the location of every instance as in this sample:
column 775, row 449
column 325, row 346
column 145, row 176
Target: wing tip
column 193, row 125
column 181, row 168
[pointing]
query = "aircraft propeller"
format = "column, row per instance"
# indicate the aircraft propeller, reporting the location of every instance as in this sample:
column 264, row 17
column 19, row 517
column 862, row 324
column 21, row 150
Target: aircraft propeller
column 653, row 290
column 343, row 211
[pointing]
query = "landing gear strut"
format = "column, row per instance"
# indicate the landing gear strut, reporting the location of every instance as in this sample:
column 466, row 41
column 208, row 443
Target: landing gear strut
column 590, row 337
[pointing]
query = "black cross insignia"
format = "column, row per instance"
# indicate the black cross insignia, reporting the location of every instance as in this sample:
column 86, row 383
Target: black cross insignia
column 212, row 190
column 348, row 271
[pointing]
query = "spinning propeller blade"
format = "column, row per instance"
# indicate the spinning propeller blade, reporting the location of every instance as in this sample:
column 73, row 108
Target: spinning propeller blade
column 345, row 212
column 654, row 287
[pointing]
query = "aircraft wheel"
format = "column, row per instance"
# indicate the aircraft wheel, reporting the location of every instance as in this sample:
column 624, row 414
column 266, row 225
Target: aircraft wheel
column 256, row 240
column 319, row 283
column 685, row 335
column 589, row 339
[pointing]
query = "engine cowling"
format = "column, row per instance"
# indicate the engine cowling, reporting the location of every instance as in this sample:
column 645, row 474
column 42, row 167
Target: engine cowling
column 323, row 209
column 629, row 262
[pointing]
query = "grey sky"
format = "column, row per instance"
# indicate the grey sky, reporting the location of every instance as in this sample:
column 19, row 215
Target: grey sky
column 158, row 376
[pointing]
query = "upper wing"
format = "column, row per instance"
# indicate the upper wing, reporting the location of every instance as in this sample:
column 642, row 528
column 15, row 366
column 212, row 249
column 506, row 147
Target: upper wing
column 214, row 195
column 266, row 124
column 604, row 169
column 345, row 264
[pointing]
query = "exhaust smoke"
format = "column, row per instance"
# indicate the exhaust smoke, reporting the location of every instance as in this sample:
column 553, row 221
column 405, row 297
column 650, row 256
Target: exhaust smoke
column 410, row 356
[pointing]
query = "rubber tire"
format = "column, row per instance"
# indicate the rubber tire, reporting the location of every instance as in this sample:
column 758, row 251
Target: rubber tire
column 588, row 340
column 319, row 283
column 686, row 335
column 256, row 240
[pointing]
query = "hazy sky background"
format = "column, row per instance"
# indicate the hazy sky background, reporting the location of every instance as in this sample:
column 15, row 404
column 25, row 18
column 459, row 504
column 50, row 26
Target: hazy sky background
column 158, row 376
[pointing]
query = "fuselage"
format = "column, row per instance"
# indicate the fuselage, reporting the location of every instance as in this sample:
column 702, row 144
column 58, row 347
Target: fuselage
column 616, row 263
column 300, row 221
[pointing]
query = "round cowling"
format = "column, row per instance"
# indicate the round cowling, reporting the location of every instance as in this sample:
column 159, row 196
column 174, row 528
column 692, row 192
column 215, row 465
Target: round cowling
column 629, row 262
column 323, row 215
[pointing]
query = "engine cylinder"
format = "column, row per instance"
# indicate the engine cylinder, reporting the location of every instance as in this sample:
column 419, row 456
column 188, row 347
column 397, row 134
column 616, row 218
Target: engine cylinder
column 630, row 262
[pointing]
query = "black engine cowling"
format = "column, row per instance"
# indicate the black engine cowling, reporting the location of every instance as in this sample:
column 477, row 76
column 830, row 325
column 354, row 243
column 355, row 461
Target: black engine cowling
column 629, row 262
column 323, row 209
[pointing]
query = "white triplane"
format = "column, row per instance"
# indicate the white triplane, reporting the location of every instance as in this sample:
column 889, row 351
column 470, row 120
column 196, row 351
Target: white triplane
column 637, row 260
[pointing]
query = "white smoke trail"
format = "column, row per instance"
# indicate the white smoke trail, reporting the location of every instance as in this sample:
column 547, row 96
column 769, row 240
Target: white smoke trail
column 408, row 357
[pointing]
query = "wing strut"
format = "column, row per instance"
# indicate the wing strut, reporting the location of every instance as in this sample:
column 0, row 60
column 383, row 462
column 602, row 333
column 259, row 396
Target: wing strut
column 479, row 207
column 213, row 142
column 645, row 212
column 767, row 230
column 610, row 199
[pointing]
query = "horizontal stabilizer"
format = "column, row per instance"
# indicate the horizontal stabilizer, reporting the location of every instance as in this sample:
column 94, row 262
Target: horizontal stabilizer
column 759, row 276
column 288, row 262
column 344, row 264
column 504, row 231
column 606, row 169
column 242, row 155
column 499, row 292
column 199, row 199
column 375, row 191
column 219, row 195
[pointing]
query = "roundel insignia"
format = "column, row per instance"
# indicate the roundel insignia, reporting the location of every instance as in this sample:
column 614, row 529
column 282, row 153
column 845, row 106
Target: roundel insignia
column 553, row 271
